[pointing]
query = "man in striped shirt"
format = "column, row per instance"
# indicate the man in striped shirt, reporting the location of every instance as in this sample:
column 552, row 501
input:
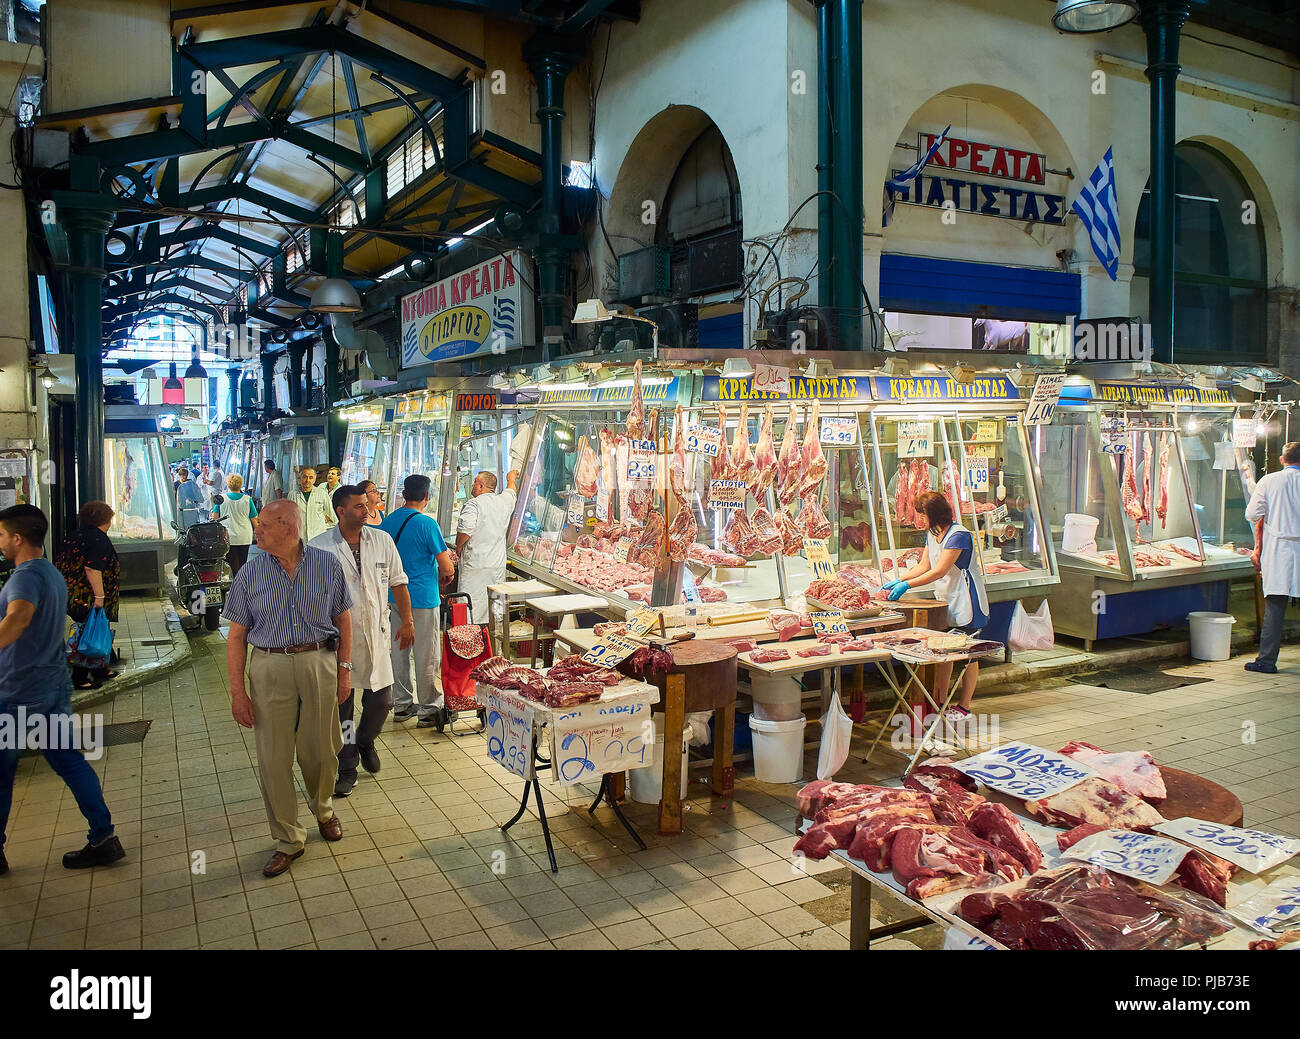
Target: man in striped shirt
column 291, row 604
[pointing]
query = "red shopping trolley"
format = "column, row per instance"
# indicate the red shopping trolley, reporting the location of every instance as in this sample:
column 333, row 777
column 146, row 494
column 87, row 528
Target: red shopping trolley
column 464, row 646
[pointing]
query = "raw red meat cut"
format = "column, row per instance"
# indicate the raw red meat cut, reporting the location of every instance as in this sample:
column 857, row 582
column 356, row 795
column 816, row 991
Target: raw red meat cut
column 567, row 694
column 950, row 488
column 1200, row 871
column 769, row 656
column 787, row 463
column 610, row 626
column 857, row 646
column 1134, row 507
column 608, row 461
column 636, row 416
column 742, row 645
column 681, row 533
column 791, row 539
column 814, row 796
column 1134, row 771
column 786, row 624
column 706, row 556
column 490, row 670
column 1162, row 480
column 646, row 662
column 1147, row 466
column 814, row 651
column 1184, row 553
column 840, row 639
column 811, row 521
column 586, row 469
column 573, row 669
column 945, row 771
column 646, row 550
column 767, row 539
column 1095, row 800
column 812, row 463
column 862, row 576
column 720, row 467
column 741, row 465
column 709, row 591
column 838, row 594
column 856, row 536
column 995, row 824
column 677, row 478
column 764, row 458
column 621, row 451
column 738, row 534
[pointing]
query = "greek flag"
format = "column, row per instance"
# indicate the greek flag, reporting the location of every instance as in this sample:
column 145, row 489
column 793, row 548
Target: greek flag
column 1098, row 209
column 901, row 181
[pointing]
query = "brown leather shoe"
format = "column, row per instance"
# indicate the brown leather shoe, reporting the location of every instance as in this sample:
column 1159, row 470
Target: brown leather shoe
column 279, row 862
column 331, row 829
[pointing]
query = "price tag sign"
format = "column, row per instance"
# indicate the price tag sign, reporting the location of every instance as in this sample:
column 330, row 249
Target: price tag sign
column 839, row 430
column 916, row 440
column 1025, row 771
column 508, row 728
column 726, row 495
column 610, row 650
column 771, row 378
column 828, row 622
column 577, row 508
column 1114, row 436
column 977, row 474
column 640, row 459
column 1043, row 401
column 819, row 558
column 987, row 451
column 1253, row 850
column 986, row 432
column 640, row 621
column 1243, row 432
column 1143, row 856
column 704, row 440
column 602, row 507
column 1273, row 910
column 998, row 515
column 621, row 548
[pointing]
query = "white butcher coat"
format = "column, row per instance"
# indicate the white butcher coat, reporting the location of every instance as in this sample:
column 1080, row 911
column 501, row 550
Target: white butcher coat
column 372, row 633
column 484, row 518
column 315, row 510
column 1277, row 502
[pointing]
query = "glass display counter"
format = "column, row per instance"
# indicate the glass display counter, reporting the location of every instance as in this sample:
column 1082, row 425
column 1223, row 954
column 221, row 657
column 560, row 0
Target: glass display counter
column 419, row 443
column 138, row 486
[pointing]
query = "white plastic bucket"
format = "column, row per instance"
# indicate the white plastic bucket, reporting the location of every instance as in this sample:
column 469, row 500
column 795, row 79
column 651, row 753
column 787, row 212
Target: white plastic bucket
column 1080, row 531
column 645, row 785
column 777, row 698
column 1211, row 634
column 778, row 749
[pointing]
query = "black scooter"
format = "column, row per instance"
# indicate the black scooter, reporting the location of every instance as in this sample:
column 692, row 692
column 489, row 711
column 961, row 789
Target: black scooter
column 202, row 575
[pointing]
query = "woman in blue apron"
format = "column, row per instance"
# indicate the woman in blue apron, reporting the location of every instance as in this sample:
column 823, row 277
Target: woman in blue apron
column 950, row 565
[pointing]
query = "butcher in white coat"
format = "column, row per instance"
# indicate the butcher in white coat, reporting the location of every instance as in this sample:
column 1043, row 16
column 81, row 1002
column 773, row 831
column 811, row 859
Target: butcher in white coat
column 481, row 539
column 371, row 567
column 1276, row 501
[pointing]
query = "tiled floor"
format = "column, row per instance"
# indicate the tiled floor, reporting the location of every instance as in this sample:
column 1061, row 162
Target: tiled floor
column 423, row 865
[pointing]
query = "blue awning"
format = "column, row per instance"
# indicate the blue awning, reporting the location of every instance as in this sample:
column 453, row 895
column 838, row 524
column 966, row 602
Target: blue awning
column 924, row 285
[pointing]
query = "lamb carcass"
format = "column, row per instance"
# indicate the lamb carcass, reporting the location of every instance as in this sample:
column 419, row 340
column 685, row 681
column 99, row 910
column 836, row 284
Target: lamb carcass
column 742, row 458
column 586, row 470
column 1133, row 507
column 791, row 539
column 720, row 467
column 811, row 521
column 812, row 463
column 636, row 416
column 1145, row 493
column 681, row 533
column 767, row 538
column 920, row 483
column 787, row 463
column 621, row 449
column 677, row 468
column 646, row 550
column 764, row 458
column 641, row 495
column 608, row 469
column 738, row 534
column 1162, row 480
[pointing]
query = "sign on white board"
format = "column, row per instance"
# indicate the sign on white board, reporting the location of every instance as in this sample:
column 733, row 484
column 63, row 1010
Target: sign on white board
column 1143, row 856
column 839, row 431
column 1252, row 850
column 915, row 439
column 1043, row 401
column 771, row 378
column 704, row 440
column 1025, row 771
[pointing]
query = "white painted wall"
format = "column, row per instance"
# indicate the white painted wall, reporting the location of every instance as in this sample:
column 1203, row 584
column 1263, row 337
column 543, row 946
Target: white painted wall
column 15, row 330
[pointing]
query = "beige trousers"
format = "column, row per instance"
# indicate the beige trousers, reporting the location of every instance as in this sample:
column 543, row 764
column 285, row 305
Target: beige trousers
column 295, row 708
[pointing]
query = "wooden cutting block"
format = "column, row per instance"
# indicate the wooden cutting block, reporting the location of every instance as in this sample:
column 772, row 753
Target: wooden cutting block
column 1199, row 798
column 709, row 668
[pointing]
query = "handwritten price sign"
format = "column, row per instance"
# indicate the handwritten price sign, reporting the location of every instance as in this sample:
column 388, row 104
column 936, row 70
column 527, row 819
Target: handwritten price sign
column 509, row 730
column 602, row 506
column 1025, row 771
column 609, row 748
column 986, row 432
column 1043, row 401
column 1253, row 850
column 1273, row 910
column 1244, row 433
column 640, row 459
column 828, row 622
column 1114, row 436
column 819, row 558
column 621, row 548
column 726, row 495
column 915, row 439
column 640, row 621
column 977, row 474
column 610, row 651
column 1143, row 856
column 839, row 431
column 704, row 440
column 577, row 508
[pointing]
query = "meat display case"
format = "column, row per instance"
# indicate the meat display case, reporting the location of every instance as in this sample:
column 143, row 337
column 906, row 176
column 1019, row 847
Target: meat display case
column 419, row 443
column 368, row 425
column 138, row 486
column 1146, row 498
column 479, row 439
column 294, row 442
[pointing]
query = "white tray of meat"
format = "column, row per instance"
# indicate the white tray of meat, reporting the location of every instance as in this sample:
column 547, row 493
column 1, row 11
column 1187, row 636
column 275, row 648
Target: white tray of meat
column 874, row 610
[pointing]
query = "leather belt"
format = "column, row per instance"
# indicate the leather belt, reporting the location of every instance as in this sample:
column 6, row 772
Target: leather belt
column 305, row 647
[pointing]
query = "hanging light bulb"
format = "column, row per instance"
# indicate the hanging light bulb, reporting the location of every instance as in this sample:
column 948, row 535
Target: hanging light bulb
column 335, row 296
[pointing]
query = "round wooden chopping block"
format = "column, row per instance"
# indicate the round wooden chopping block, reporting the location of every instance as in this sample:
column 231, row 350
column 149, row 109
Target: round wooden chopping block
column 1199, row 798
column 709, row 667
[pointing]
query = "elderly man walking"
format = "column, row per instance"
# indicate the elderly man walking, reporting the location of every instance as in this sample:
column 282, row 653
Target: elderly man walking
column 1276, row 502
column 372, row 567
column 291, row 604
column 481, row 538
column 427, row 562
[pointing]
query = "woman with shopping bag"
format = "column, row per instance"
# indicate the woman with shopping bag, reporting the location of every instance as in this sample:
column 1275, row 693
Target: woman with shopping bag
column 89, row 564
column 950, row 565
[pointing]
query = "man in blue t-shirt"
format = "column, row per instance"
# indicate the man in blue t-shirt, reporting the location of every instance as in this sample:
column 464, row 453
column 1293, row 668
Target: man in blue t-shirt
column 427, row 562
column 36, row 688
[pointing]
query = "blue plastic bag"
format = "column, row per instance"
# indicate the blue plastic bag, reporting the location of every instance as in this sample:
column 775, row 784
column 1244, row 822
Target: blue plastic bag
column 94, row 642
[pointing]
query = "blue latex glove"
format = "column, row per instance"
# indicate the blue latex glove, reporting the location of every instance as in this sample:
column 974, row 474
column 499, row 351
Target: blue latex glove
column 899, row 589
column 889, row 586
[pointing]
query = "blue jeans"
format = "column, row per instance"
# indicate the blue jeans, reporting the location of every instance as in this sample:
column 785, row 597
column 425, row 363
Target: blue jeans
column 70, row 764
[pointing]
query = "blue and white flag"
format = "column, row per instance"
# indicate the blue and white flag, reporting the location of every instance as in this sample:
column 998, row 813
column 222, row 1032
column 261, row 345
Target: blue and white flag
column 1099, row 210
column 903, row 180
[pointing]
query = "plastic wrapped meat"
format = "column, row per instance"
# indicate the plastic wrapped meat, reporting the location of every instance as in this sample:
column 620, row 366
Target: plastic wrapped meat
column 767, row 538
column 636, row 416
column 812, row 463
column 787, row 463
column 811, row 521
column 764, row 458
column 791, row 539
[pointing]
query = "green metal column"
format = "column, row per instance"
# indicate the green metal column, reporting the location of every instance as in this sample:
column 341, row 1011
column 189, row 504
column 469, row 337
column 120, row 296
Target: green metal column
column 825, row 160
column 847, row 150
column 335, row 429
column 232, row 374
column 551, row 58
column 297, row 351
column 85, row 284
column 1162, row 21
column 268, row 384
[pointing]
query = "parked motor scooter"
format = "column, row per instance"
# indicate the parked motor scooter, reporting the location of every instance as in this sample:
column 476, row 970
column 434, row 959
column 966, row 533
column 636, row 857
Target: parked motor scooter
column 202, row 575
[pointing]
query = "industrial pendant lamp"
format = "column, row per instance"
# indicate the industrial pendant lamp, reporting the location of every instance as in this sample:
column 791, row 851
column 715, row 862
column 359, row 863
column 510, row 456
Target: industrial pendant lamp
column 196, row 370
column 335, row 295
column 1093, row 15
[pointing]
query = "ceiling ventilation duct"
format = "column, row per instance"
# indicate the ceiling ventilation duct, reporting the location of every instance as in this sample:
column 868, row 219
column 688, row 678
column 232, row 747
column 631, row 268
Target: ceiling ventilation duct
column 370, row 345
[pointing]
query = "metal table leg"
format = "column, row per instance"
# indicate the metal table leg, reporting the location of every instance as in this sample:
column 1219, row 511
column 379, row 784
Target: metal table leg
column 859, row 912
column 608, row 795
column 536, row 789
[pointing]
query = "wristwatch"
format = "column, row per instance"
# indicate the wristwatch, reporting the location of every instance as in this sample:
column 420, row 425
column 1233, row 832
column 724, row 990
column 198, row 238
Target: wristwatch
column 345, row 664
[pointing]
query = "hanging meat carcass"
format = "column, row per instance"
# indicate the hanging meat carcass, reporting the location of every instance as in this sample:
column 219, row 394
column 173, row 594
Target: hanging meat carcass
column 608, row 472
column 677, row 467
column 1162, row 480
column 813, row 461
column 738, row 534
column 920, row 484
column 950, row 488
column 646, row 550
column 1133, row 507
column 764, row 458
column 718, row 470
column 902, row 492
column 621, row 449
column 767, row 538
column 642, row 492
column 1145, row 493
column 742, row 458
column 681, row 534
column 791, row 539
column 586, row 469
column 636, row 417
column 787, row 463
column 811, row 521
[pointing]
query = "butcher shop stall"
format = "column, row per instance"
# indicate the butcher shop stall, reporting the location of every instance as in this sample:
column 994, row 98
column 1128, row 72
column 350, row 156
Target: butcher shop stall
column 686, row 481
column 1145, row 484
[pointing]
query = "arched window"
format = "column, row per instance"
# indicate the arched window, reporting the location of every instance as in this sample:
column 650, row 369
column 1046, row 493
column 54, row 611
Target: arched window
column 1220, row 278
column 701, row 222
